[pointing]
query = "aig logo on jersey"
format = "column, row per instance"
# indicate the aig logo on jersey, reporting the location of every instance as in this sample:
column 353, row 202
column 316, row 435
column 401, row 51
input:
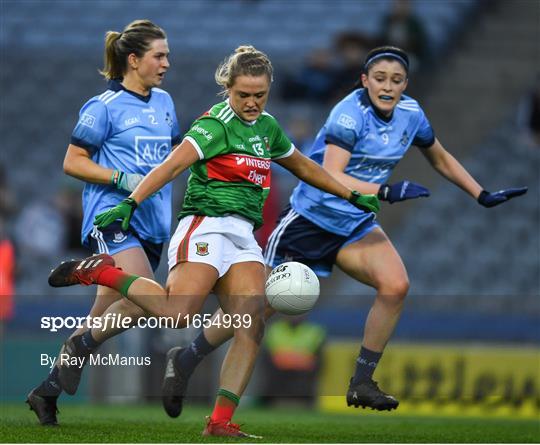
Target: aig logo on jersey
column 151, row 150
column 87, row 120
column 346, row 121
column 202, row 249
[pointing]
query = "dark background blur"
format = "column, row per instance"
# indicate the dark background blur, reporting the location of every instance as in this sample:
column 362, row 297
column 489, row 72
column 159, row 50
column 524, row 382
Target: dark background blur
column 474, row 272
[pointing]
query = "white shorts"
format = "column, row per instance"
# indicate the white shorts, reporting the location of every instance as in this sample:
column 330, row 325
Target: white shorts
column 218, row 241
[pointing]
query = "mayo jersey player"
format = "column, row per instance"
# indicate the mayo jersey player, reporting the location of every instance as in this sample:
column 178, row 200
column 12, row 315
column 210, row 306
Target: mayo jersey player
column 233, row 173
column 125, row 131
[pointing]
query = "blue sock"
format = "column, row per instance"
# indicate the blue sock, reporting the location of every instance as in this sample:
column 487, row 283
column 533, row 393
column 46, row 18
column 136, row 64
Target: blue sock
column 50, row 387
column 190, row 357
column 365, row 365
column 88, row 342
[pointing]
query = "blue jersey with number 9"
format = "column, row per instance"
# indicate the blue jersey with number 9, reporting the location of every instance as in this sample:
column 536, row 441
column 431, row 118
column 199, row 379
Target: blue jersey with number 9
column 376, row 145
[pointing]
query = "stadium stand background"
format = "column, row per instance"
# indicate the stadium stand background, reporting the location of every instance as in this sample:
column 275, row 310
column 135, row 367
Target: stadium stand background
column 475, row 273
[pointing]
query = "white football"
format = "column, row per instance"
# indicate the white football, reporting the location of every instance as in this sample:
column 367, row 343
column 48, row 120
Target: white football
column 292, row 288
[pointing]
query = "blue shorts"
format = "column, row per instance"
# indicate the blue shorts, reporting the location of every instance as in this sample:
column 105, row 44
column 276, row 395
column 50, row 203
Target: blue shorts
column 298, row 239
column 113, row 239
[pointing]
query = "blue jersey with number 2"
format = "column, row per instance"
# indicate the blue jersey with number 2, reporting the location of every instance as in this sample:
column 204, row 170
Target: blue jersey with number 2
column 124, row 131
column 376, row 145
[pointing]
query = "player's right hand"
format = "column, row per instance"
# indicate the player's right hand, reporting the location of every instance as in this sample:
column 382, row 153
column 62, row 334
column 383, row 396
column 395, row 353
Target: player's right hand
column 123, row 211
column 126, row 181
column 401, row 191
column 367, row 203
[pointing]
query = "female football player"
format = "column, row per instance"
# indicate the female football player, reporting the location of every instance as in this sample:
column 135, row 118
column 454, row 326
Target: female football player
column 107, row 152
column 229, row 150
column 365, row 136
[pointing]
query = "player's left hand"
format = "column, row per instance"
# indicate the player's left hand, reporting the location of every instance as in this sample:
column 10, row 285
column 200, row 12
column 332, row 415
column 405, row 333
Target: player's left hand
column 367, row 203
column 123, row 211
column 488, row 199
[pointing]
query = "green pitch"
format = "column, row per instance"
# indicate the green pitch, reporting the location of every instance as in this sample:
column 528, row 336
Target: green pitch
column 148, row 423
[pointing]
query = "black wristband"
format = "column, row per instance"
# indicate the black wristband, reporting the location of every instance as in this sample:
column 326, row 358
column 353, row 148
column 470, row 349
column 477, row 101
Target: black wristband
column 354, row 195
column 131, row 202
column 382, row 194
column 482, row 196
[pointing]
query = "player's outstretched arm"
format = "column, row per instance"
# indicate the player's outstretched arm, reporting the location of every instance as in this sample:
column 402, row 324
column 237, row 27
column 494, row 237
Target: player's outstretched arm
column 178, row 160
column 451, row 169
column 313, row 174
column 336, row 160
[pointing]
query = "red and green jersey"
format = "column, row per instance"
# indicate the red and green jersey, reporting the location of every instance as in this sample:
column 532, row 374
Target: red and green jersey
column 233, row 173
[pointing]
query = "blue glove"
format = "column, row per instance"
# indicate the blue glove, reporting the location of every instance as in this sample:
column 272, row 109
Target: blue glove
column 492, row 199
column 401, row 191
column 125, row 181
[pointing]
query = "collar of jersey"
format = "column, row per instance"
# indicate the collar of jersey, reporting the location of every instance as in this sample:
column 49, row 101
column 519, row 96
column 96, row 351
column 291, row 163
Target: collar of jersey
column 241, row 120
column 366, row 101
column 115, row 85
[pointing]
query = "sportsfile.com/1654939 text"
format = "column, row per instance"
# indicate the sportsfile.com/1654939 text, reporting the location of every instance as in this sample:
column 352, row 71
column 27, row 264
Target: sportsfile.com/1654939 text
column 116, row 321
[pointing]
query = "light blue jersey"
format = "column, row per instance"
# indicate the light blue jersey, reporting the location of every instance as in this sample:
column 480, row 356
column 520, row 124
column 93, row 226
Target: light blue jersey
column 131, row 133
column 376, row 145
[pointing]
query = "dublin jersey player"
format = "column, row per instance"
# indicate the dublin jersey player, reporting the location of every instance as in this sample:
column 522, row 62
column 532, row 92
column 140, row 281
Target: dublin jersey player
column 120, row 136
column 229, row 152
column 366, row 135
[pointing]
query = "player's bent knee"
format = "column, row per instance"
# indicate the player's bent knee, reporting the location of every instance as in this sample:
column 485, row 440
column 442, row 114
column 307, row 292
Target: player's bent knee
column 395, row 291
column 253, row 329
column 252, row 305
column 401, row 287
